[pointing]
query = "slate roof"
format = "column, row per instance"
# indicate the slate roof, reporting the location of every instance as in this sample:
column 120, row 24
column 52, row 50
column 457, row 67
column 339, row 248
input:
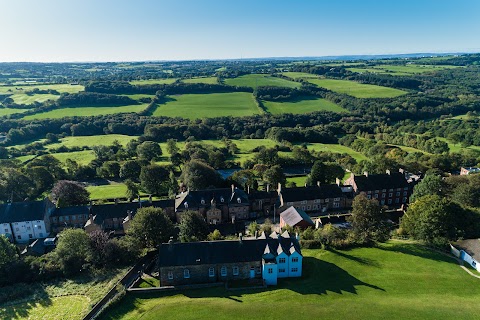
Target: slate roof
column 263, row 195
column 381, row 181
column 293, row 216
column 194, row 198
column 69, row 211
column 224, row 251
column 311, row 193
column 22, row 211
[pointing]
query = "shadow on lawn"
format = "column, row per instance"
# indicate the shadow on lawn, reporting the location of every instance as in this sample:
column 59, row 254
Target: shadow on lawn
column 22, row 309
column 416, row 250
column 361, row 260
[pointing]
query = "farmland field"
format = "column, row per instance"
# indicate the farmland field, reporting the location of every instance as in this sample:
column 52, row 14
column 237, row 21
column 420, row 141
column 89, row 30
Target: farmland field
column 19, row 95
column 153, row 81
column 81, row 157
column 299, row 75
column 392, row 281
column 7, row 111
column 194, row 106
column 457, row 147
column 403, row 70
column 336, row 148
column 114, row 190
column 98, row 140
column 257, row 80
column 22, row 98
column 302, row 105
column 85, row 112
column 209, row 80
column 355, row 89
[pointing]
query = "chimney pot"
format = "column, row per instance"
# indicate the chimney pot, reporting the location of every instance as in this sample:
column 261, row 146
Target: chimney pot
column 387, row 172
column 279, row 189
column 318, row 183
column 338, row 182
column 365, row 173
column 268, row 187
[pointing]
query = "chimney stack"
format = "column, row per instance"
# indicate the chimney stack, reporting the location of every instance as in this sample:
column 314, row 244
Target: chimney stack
column 318, row 184
column 387, row 172
column 401, row 170
column 116, row 201
column 279, row 188
column 338, row 182
column 365, row 173
column 150, row 198
column 268, row 187
column 233, row 188
column 240, row 237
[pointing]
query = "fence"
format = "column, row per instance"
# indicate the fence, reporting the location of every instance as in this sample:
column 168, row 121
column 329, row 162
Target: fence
column 130, row 277
column 461, row 254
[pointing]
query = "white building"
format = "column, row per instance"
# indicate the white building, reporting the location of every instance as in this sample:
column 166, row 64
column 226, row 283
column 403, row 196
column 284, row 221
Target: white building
column 25, row 221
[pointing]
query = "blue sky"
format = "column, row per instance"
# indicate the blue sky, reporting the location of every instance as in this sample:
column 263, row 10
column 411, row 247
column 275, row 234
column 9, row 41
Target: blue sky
column 108, row 30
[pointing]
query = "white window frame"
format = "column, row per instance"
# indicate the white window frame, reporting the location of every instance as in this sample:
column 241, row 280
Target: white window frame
column 170, row 275
column 235, row 271
column 211, row 272
column 223, row 271
column 186, row 273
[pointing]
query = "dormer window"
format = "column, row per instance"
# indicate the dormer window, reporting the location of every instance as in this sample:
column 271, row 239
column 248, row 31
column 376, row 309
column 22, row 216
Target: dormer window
column 202, row 201
column 239, row 200
column 222, row 200
column 186, row 205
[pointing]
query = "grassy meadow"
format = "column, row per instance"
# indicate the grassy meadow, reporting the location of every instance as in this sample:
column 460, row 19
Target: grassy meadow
column 8, row 111
column 208, row 80
column 153, row 81
column 299, row 75
column 258, row 80
column 302, row 105
column 85, row 112
column 195, row 106
column 392, row 281
column 81, row 157
column 112, row 190
column 98, row 140
column 404, row 70
column 19, row 95
column 357, row 90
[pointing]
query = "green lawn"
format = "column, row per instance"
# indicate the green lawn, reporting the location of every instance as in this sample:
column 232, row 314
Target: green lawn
column 358, row 90
column 98, row 140
column 302, row 105
column 116, row 190
column 299, row 75
column 85, row 111
column 153, row 81
column 457, row 147
column 19, row 92
column 257, row 80
column 138, row 96
column 209, row 80
column 336, row 148
column 399, row 70
column 394, row 281
column 7, row 111
column 299, row 181
column 21, row 98
column 195, row 106
column 81, row 157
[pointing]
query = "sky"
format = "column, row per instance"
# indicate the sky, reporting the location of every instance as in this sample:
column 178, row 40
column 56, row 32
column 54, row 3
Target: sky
column 140, row 30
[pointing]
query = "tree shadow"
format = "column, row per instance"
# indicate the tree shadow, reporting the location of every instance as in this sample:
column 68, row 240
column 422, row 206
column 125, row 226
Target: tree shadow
column 361, row 260
column 21, row 304
column 417, row 250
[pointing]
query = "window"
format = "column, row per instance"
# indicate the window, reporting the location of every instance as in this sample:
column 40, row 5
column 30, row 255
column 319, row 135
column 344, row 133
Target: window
column 16, row 229
column 326, row 200
column 39, row 227
column 202, row 201
column 289, row 203
column 170, row 275
column 384, row 190
column 303, row 208
column 67, row 218
column 316, row 201
column 239, row 200
column 369, row 191
column 336, row 205
column 211, row 272
column 389, row 201
column 186, row 273
column 222, row 200
column 376, row 191
column 6, row 230
column 404, row 193
column 309, row 207
column 186, row 205
column 406, row 188
column 336, row 199
column 281, row 260
column 315, row 207
column 19, row 237
column 382, row 202
column 369, row 196
column 270, row 270
column 281, row 270
column 304, row 202
column 294, row 269
column 74, row 217
column 390, row 195
column 60, row 219
column 404, row 199
column 223, row 271
column 295, row 259
column 397, row 200
column 258, row 270
column 397, row 194
column 376, row 195
column 398, row 189
column 30, row 235
column 383, row 195
column 28, row 228
column 235, row 271
column 390, row 190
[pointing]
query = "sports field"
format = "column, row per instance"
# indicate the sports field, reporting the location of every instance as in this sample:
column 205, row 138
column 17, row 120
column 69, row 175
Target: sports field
column 85, row 112
column 302, row 105
column 392, row 281
column 357, row 90
column 209, row 80
column 153, row 81
column 195, row 106
column 258, row 80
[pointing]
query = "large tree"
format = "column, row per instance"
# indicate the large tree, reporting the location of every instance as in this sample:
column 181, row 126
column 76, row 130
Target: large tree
column 73, row 251
column 149, row 150
column 151, row 227
column 274, row 176
column 69, row 193
column 154, row 179
column 369, row 220
column 324, row 173
column 430, row 185
column 197, row 175
column 192, row 227
column 130, row 170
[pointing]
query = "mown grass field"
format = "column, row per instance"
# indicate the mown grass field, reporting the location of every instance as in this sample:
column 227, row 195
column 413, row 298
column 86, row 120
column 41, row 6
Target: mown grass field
column 209, row 80
column 7, row 111
column 195, row 106
column 357, row 90
column 258, row 80
column 302, row 105
column 98, row 140
column 19, row 96
column 393, row 281
column 457, row 147
column 114, row 190
column 153, row 81
column 81, row 157
column 85, row 112
column 299, row 75
column 336, row 148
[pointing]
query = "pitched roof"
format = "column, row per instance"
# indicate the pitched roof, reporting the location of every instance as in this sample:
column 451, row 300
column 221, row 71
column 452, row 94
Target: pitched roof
column 69, row 211
column 218, row 252
column 381, row 181
column 195, row 198
column 293, row 216
column 311, row 193
column 22, row 211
